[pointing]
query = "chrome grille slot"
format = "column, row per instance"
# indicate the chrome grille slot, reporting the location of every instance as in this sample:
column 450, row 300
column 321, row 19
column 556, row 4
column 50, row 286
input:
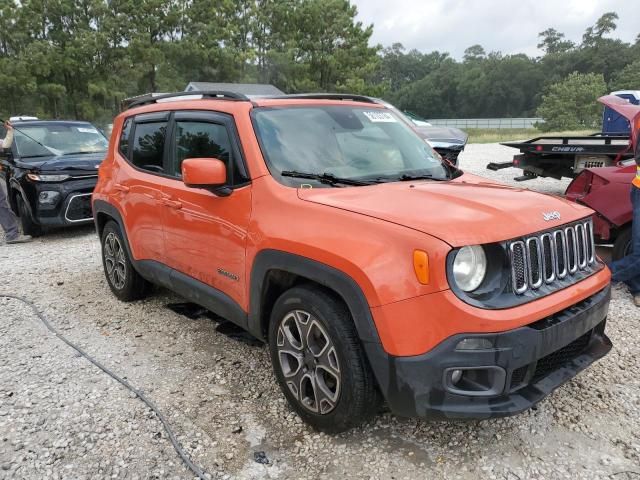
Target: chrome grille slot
column 591, row 253
column 581, row 239
column 572, row 250
column 552, row 256
column 560, row 242
column 548, row 258
column 534, row 260
column 519, row 267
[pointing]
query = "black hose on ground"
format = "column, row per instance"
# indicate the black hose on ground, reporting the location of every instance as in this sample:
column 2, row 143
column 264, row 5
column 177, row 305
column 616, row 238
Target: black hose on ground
column 199, row 471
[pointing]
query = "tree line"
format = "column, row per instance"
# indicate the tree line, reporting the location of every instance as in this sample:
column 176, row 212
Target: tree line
column 81, row 58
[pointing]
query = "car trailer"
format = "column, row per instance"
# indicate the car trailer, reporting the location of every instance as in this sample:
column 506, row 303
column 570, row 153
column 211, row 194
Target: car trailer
column 565, row 156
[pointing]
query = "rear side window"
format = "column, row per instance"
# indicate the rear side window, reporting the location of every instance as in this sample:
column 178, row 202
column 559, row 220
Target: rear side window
column 200, row 140
column 124, row 138
column 147, row 147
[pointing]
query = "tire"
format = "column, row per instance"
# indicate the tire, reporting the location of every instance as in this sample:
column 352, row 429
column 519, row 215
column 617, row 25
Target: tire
column 29, row 227
column 124, row 281
column 622, row 245
column 325, row 376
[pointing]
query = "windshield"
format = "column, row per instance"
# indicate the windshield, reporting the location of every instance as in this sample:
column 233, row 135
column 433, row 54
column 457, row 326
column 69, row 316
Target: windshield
column 34, row 141
column 357, row 143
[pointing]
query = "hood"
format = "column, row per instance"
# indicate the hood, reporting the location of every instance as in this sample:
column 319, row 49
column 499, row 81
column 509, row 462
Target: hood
column 464, row 211
column 443, row 134
column 89, row 162
column 628, row 110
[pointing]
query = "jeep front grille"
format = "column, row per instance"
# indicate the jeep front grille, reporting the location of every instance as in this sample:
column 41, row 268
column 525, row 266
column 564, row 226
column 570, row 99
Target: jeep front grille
column 551, row 256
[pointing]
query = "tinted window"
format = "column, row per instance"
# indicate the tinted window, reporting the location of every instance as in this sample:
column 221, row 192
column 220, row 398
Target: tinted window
column 124, row 137
column 148, row 146
column 200, row 140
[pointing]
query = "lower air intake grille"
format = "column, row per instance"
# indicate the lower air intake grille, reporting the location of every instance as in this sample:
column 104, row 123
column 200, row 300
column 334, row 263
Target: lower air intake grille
column 555, row 360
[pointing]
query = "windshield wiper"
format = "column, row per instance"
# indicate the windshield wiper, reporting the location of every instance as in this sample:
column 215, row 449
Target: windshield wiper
column 328, row 178
column 405, row 177
column 82, row 153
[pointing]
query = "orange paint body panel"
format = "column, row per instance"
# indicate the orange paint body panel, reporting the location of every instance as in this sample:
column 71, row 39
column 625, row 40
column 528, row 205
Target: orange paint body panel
column 378, row 226
column 369, row 233
column 415, row 326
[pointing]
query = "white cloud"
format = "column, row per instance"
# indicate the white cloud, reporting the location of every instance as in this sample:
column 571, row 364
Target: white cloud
column 509, row 26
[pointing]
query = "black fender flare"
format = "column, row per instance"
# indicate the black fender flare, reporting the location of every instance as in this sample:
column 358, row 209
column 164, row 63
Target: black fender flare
column 14, row 187
column 325, row 275
column 102, row 207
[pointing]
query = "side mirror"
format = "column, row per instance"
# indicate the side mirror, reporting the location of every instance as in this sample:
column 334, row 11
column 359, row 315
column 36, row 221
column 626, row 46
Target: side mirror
column 209, row 173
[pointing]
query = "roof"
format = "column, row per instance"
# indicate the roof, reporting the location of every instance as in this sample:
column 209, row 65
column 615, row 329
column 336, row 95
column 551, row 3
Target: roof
column 48, row 122
column 231, row 96
column 633, row 93
column 248, row 89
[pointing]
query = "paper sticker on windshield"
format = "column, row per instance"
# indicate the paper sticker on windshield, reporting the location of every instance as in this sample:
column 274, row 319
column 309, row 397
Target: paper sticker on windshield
column 380, row 117
column 87, row 130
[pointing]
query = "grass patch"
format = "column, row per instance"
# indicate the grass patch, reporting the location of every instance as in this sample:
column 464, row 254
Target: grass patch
column 497, row 135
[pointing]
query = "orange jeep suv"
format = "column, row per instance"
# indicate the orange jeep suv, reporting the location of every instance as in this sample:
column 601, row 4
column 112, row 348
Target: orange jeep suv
column 328, row 228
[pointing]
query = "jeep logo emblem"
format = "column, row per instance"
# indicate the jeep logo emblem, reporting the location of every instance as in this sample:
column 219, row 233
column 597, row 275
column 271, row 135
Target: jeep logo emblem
column 548, row 216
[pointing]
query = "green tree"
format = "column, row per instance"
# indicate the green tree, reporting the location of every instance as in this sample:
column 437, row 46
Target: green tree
column 571, row 104
column 603, row 26
column 553, row 42
column 474, row 53
column 628, row 78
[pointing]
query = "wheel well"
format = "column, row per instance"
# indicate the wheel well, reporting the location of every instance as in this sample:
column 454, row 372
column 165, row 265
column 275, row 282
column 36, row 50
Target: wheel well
column 101, row 220
column 275, row 283
column 14, row 193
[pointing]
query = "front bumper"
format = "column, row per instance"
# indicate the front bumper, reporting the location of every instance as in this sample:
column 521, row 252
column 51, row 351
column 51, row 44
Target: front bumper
column 73, row 206
column 530, row 363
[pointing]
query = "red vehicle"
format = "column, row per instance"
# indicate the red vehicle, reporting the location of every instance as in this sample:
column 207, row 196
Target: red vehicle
column 606, row 190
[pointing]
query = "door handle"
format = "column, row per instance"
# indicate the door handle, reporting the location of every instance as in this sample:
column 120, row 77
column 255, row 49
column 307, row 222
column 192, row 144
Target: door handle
column 121, row 188
column 172, row 203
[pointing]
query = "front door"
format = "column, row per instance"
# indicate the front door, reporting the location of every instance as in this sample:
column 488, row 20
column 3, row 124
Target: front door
column 136, row 188
column 206, row 234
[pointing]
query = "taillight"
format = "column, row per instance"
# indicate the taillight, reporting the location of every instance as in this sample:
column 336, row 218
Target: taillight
column 580, row 186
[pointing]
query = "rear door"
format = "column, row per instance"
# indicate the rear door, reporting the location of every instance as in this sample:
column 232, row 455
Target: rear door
column 205, row 234
column 137, row 189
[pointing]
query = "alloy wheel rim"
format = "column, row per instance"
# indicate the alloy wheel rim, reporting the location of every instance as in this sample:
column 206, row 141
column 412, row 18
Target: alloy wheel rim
column 309, row 362
column 114, row 260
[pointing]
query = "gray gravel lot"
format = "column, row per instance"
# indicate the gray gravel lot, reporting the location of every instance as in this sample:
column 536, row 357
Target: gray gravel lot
column 60, row 417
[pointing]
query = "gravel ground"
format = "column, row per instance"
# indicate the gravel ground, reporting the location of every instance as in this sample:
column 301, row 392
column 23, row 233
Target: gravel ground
column 60, row 417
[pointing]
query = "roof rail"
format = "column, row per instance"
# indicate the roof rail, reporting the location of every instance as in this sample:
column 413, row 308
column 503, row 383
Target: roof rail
column 328, row 96
column 220, row 95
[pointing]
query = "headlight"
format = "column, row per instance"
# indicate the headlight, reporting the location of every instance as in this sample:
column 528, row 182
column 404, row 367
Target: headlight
column 46, row 178
column 470, row 267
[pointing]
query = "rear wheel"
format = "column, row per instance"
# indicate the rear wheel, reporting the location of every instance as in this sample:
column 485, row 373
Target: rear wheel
column 124, row 281
column 319, row 362
column 29, row 226
column 622, row 245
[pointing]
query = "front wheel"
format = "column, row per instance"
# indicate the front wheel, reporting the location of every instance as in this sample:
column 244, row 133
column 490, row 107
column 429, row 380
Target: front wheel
column 124, row 281
column 29, row 226
column 622, row 245
column 319, row 362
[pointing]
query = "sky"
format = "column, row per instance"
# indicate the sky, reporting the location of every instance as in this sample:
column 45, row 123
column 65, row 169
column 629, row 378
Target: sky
column 509, row 26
